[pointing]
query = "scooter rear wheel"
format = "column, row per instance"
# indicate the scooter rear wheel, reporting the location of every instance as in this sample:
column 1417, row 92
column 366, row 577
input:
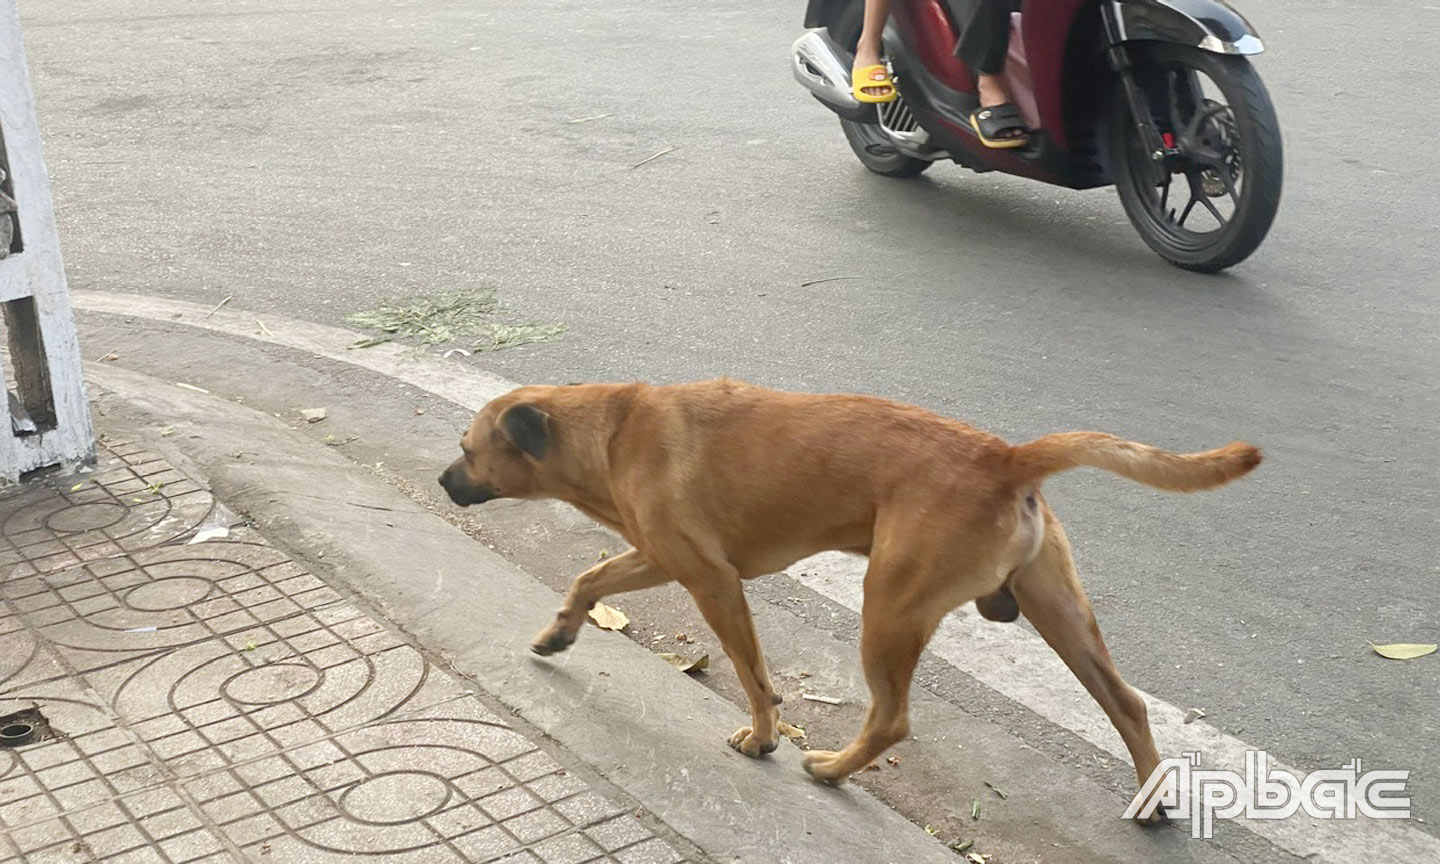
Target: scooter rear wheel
column 877, row 152
column 1207, row 203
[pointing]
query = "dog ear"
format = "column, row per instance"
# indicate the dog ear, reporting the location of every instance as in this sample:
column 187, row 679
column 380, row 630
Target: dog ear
column 528, row 428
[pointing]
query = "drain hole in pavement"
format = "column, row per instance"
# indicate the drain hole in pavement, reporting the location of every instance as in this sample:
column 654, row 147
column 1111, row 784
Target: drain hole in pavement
column 25, row 727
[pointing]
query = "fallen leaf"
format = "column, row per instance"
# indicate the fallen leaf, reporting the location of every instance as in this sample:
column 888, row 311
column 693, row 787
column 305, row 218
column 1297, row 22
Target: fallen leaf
column 604, row 553
column 974, row 859
column 167, row 431
column 608, row 617
column 685, row 664
column 996, row 790
column 975, row 809
column 77, row 487
column 1403, row 650
column 793, row 732
column 313, row 415
column 1194, row 714
column 962, row 846
column 250, row 645
column 893, row 760
column 929, row 829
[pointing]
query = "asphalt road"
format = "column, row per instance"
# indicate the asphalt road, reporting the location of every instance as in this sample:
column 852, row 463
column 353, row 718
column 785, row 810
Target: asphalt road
column 310, row 161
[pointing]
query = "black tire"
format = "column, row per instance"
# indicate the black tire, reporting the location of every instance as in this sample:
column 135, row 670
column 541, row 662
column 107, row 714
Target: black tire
column 876, row 152
column 1256, row 135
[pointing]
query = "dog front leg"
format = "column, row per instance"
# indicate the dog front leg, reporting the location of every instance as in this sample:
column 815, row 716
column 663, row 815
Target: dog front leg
column 721, row 599
column 628, row 571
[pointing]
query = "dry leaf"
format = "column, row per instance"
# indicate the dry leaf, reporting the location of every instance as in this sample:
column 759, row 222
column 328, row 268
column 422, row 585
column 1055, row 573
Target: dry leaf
column 996, row 789
column 1403, row 650
column 962, row 846
column 608, row 617
column 974, row 808
column 974, row 859
column 791, row 731
column 1194, row 714
column 685, row 664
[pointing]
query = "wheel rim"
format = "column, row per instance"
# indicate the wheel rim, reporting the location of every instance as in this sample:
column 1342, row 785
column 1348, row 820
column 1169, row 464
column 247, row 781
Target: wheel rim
column 1195, row 193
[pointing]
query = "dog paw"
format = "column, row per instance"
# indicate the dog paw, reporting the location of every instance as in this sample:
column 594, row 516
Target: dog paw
column 1159, row 817
column 746, row 741
column 552, row 640
column 823, row 765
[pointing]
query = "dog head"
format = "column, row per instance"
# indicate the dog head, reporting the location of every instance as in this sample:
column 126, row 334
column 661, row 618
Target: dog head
column 505, row 451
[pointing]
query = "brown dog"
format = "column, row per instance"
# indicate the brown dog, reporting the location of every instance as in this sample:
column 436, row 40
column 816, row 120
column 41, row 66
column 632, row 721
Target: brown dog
column 717, row 482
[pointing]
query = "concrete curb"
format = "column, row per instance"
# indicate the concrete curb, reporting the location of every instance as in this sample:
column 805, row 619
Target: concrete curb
column 651, row 731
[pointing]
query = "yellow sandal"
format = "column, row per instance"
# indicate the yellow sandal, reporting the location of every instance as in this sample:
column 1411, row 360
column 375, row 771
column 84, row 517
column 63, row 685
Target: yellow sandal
column 876, row 77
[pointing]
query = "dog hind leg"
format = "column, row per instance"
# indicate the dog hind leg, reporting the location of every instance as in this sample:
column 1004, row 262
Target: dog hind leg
column 1051, row 598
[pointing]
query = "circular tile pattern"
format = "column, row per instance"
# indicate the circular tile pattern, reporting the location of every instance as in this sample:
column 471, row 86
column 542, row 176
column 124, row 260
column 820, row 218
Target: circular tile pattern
column 395, row 798
column 85, row 517
column 267, row 685
column 172, row 592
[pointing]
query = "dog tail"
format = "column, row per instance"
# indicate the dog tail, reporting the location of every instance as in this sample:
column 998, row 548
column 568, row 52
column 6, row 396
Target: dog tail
column 1175, row 472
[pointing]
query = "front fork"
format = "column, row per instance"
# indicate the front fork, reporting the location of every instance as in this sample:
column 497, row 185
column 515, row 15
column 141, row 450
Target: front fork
column 1157, row 148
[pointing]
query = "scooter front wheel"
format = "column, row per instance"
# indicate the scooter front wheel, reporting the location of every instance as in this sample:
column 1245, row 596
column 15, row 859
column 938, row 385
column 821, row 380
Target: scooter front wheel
column 877, row 152
column 1206, row 198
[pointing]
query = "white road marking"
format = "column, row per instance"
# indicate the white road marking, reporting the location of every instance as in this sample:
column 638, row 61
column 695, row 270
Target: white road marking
column 1010, row 659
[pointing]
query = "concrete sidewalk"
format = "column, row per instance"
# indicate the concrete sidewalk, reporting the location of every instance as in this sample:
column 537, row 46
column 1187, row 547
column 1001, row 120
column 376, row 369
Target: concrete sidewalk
column 207, row 702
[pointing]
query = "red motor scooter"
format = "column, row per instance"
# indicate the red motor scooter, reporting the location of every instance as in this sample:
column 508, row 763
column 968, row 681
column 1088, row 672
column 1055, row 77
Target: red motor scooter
column 1156, row 97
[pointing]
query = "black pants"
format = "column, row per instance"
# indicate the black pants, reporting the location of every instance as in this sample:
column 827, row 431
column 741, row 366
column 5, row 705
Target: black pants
column 985, row 40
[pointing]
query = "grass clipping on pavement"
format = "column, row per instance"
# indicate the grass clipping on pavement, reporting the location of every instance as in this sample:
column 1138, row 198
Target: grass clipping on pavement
column 458, row 318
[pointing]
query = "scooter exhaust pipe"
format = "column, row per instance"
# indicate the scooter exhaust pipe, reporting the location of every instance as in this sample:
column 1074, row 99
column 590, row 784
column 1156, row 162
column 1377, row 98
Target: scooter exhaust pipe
column 823, row 67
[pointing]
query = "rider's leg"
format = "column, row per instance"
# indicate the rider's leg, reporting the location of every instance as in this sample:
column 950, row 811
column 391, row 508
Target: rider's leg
column 867, row 51
column 983, row 45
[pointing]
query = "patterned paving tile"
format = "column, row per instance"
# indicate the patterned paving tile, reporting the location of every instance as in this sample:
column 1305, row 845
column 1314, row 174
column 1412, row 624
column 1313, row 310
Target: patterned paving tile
column 215, row 702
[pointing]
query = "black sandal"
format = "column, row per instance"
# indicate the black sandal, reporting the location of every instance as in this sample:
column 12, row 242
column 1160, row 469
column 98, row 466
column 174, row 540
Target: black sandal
column 992, row 124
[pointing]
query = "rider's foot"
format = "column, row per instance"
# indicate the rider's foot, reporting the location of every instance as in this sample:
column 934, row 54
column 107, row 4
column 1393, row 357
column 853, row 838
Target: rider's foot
column 869, row 68
column 1003, row 126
